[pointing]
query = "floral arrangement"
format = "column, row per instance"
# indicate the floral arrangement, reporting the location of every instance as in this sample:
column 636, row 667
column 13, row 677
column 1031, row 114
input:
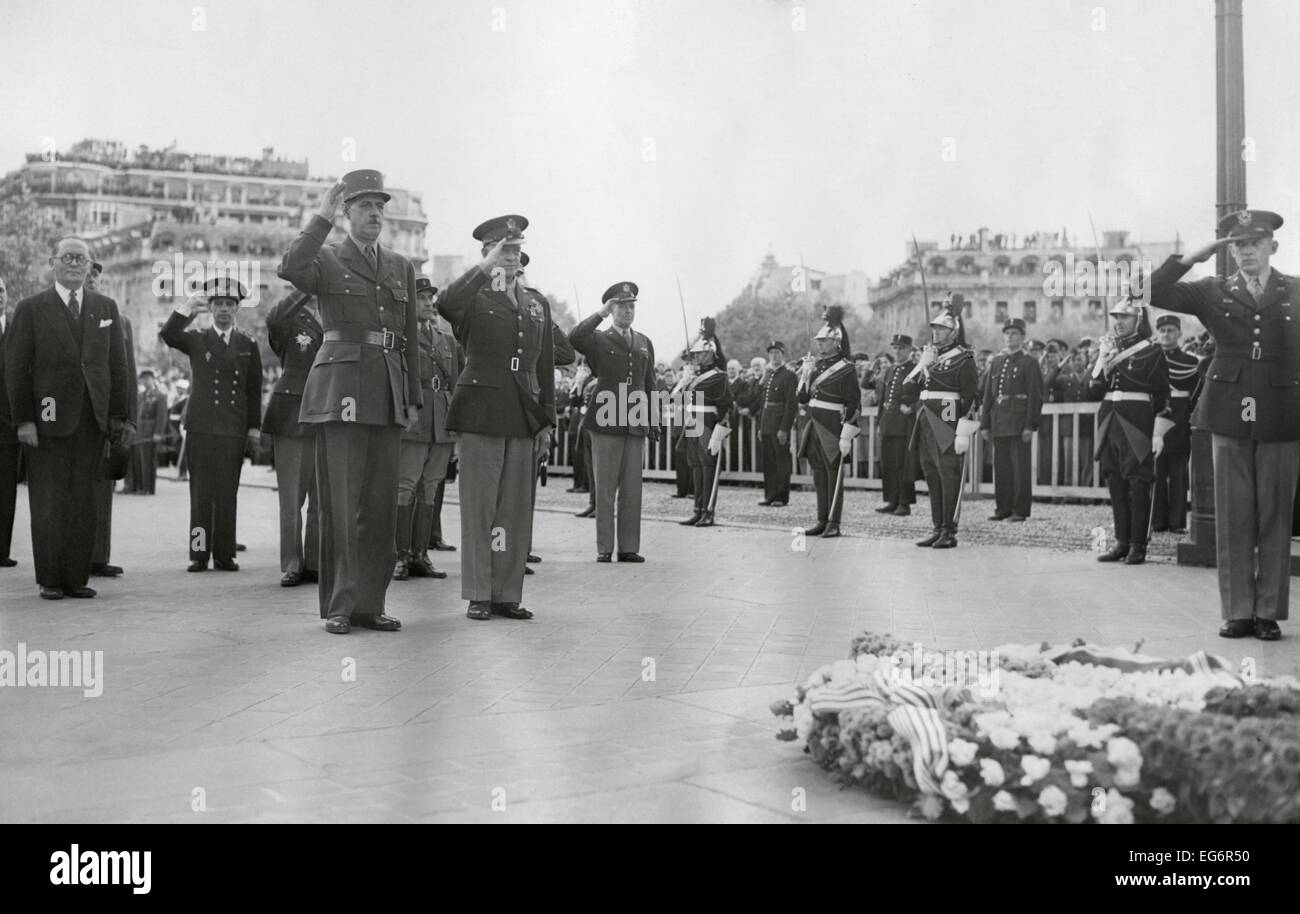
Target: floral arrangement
column 1141, row 741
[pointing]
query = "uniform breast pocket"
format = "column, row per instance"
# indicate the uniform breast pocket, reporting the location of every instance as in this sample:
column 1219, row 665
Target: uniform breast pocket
column 1224, row 373
column 1284, row 376
column 347, row 289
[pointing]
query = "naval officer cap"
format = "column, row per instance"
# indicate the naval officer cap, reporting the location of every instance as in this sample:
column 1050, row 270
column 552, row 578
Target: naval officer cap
column 509, row 227
column 362, row 182
column 1015, row 323
column 1169, row 320
column 1249, row 224
column 223, row 287
column 620, row 292
column 425, row 284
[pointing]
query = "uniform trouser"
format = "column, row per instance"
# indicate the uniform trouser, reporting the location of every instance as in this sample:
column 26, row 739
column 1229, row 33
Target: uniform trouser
column 9, row 451
column 681, row 466
column 295, row 482
column 942, row 471
column 435, row 535
column 495, row 515
column 898, row 484
column 776, row 468
column 616, row 468
column 1254, row 491
column 826, row 480
column 215, row 464
column 421, row 471
column 705, row 469
column 356, row 482
column 1171, row 490
column 103, row 489
column 1012, row 482
column 60, row 491
column 1129, row 482
column 143, row 474
column 581, row 478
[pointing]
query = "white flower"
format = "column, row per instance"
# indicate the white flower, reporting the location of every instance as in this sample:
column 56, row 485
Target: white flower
column 992, row 773
column 1079, row 771
column 1043, row 743
column 952, row 786
column 989, row 721
column 1004, row 802
column 961, row 806
column 1004, row 738
column 843, row 671
column 961, row 753
column 803, row 721
column 1162, row 801
column 1123, row 753
column 1035, row 769
column 1116, row 809
column 1053, row 800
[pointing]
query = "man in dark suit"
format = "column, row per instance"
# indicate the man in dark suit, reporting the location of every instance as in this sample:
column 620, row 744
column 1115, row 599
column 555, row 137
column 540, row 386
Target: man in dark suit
column 9, row 447
column 225, row 411
column 1250, row 403
column 295, row 333
column 151, row 428
column 363, row 391
column 896, row 419
column 777, row 408
column 621, row 418
column 65, row 367
column 1169, row 504
column 1011, row 409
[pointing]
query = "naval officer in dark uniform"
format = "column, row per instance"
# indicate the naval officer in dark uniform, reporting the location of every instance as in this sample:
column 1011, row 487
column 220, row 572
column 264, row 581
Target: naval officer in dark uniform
column 778, row 406
column 1169, row 503
column 1011, row 409
column 897, row 419
column 1251, row 404
column 706, row 404
column 363, row 390
column 829, row 389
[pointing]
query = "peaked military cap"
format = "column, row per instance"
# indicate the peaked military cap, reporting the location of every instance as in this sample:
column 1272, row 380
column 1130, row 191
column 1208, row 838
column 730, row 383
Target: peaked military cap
column 1015, row 323
column 620, row 292
column 425, row 284
column 1248, row 224
column 224, row 287
column 1169, row 320
column 361, row 182
column 775, row 344
column 510, row 227
column 901, row 339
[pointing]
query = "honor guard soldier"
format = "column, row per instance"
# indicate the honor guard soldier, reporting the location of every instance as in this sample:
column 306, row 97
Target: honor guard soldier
column 895, row 425
column 1010, row 412
column 946, row 383
column 295, row 333
column 778, row 407
column 706, row 399
column 828, row 387
column 1132, row 382
column 1169, row 503
column 621, row 418
column 362, row 392
column 503, row 410
column 224, row 413
column 1250, row 403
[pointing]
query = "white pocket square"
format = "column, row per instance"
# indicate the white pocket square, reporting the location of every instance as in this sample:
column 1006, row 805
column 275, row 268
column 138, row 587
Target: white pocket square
column 105, row 322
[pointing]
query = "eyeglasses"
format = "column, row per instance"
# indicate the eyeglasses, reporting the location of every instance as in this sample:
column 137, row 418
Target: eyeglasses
column 74, row 260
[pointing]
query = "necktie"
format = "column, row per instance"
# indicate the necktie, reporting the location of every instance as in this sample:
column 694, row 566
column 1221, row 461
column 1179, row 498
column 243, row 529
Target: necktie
column 73, row 306
column 371, row 256
column 1256, row 289
column 627, row 335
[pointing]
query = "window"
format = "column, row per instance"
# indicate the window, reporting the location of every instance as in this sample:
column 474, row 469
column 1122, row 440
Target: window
column 1058, row 309
column 1000, row 313
column 1094, row 308
column 1030, row 312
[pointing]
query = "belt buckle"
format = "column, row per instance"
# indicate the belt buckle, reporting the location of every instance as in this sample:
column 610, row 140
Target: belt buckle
column 437, row 383
column 1002, row 398
column 1255, row 352
column 390, row 340
column 514, row 363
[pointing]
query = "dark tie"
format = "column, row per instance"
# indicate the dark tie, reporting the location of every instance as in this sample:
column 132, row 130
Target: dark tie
column 73, row 307
column 627, row 335
column 370, row 255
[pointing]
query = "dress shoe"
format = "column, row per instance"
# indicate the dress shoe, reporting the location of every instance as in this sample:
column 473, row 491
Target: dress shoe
column 816, row 529
column 706, row 519
column 7, row 563
column 479, row 609
column 1137, row 554
column 1017, row 519
column 51, row 593
column 998, row 516
column 903, row 511
column 338, row 625
column 777, row 504
column 582, row 491
column 887, row 509
column 197, row 566
column 832, row 531
column 603, row 557
column 931, row 539
column 240, row 547
column 105, row 570
column 1267, row 630
column 630, row 557
column 528, row 570
column 510, row 611
column 440, row 546
column 946, row 540
column 680, row 496
column 310, row 576
column 589, row 512
column 82, row 593
column 765, row 503
column 534, row 558
column 571, row 489
column 1117, row 552
column 1237, row 628
column 290, row 579
column 379, row 623
column 421, row 567
column 400, row 570
column 692, row 520
column 225, row 566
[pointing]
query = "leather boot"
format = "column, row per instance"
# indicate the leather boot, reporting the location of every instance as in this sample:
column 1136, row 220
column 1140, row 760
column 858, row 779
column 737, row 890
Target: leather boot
column 693, row 519
column 421, row 528
column 1117, row 552
column 706, row 519
column 931, row 539
column 947, row 540
column 405, row 514
column 1137, row 554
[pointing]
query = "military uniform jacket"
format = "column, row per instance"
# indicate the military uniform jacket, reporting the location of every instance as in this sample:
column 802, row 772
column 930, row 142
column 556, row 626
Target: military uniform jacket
column 890, row 397
column 440, row 366
column 619, row 370
column 779, row 403
column 295, row 336
column 1013, row 395
column 357, row 381
column 1252, row 388
column 707, row 398
column 508, row 385
column 834, row 400
column 564, row 352
column 226, row 390
column 151, row 416
column 953, row 372
column 1184, row 385
column 1142, row 372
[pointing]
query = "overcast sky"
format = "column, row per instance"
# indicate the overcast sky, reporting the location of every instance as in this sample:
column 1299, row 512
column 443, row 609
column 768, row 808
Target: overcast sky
column 648, row 140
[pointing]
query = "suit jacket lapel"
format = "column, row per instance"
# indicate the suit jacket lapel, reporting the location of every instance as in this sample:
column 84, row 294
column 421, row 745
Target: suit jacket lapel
column 55, row 313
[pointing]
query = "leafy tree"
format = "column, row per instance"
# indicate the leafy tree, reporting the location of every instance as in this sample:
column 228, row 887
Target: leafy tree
column 27, row 238
column 750, row 322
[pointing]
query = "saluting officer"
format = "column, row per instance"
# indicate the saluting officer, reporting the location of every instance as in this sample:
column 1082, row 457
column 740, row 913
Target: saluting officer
column 1132, row 381
column 363, row 390
column 503, row 410
column 621, row 418
column 224, row 412
column 897, row 419
column 828, row 387
column 706, row 400
column 1011, row 409
column 946, row 382
column 295, row 334
column 1251, row 405
column 778, row 407
column 1169, row 503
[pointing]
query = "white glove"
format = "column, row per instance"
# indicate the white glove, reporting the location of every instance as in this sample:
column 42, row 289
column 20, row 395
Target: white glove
column 928, row 355
column 847, row 434
column 720, row 433
column 961, row 444
column 1157, row 446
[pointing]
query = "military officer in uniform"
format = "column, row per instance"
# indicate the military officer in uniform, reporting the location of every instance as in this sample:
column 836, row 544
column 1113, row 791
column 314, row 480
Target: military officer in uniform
column 503, row 410
column 1131, row 380
column 777, row 408
column 1010, row 412
column 829, row 389
column 586, row 395
column 897, row 419
column 151, row 427
column 295, row 333
column 946, row 382
column 706, row 399
column 224, row 413
column 1169, row 502
column 1250, row 403
column 362, row 391
column 620, row 419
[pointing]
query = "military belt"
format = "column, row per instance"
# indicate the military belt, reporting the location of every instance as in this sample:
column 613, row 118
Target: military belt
column 1180, row 393
column 1127, row 395
column 1004, row 397
column 706, row 410
column 826, row 404
column 387, row 339
column 940, row 395
column 1254, row 353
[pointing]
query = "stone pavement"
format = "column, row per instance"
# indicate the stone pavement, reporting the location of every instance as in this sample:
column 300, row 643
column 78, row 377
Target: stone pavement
column 225, row 687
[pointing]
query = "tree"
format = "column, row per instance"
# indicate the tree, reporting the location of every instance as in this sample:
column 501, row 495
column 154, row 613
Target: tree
column 750, row 322
column 560, row 312
column 27, row 239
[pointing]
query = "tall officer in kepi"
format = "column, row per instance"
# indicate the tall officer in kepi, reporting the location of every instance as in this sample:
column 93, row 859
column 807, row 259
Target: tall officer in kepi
column 362, row 392
column 707, row 403
column 1132, row 381
column 1251, row 405
column 897, row 419
column 622, row 417
column 828, row 386
column 1010, row 413
column 778, row 406
column 946, row 382
column 1169, row 503
column 224, row 415
column 503, row 411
